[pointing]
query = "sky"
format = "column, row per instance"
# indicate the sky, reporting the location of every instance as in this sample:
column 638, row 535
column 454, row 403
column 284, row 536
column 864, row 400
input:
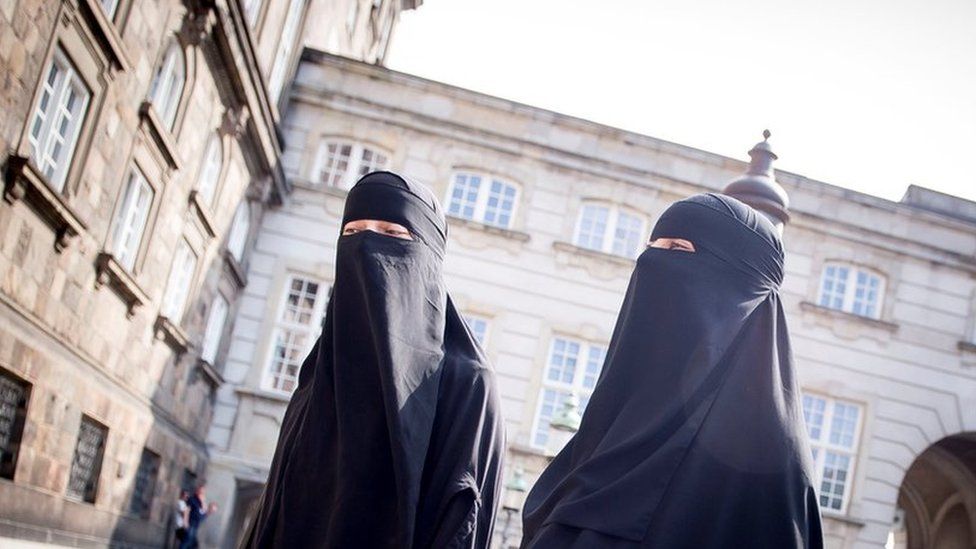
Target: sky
column 872, row 95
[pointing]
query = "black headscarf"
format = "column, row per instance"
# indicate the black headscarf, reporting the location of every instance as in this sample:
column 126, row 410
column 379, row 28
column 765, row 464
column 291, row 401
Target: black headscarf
column 393, row 438
column 694, row 434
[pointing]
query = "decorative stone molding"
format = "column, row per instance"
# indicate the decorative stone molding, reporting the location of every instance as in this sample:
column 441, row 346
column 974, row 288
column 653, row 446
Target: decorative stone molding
column 106, row 33
column 209, row 374
column 159, row 133
column 24, row 182
column 203, row 212
column 109, row 271
column 197, row 24
column 598, row 264
column 168, row 331
column 234, row 121
column 235, row 268
column 473, row 234
column 263, row 394
column 846, row 325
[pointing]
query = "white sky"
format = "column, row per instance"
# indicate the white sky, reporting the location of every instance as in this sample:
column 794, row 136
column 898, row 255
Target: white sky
column 866, row 94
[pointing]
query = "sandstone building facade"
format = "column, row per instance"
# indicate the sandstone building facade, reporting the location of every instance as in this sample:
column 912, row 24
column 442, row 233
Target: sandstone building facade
column 139, row 144
column 547, row 213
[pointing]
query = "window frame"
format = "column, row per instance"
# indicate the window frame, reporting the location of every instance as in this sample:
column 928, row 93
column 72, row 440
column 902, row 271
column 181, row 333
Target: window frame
column 287, row 39
column 481, row 201
column 71, row 77
column 99, row 462
column 153, row 480
column 354, row 164
column 212, row 167
column 169, row 115
column 822, row 445
column 316, row 317
column 576, row 387
column 609, row 240
column 238, row 236
column 121, row 209
column 850, row 288
column 176, row 316
column 18, row 423
column 213, row 332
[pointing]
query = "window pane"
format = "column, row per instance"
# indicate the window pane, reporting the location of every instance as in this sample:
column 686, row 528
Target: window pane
column 334, row 163
column 300, row 302
column 110, row 6
column 813, row 413
column 594, row 363
column 130, row 222
column 286, row 44
column 57, row 120
column 843, row 425
column 251, row 10
column 167, row 86
column 86, row 466
column 14, row 393
column 552, row 401
column 592, row 226
column 501, row 204
column 627, row 236
column 833, row 287
column 835, row 473
column 371, row 161
column 464, row 195
column 239, row 229
column 866, row 295
column 479, row 328
column 210, row 170
column 214, row 329
column 178, row 286
column 289, row 352
column 144, row 487
column 562, row 361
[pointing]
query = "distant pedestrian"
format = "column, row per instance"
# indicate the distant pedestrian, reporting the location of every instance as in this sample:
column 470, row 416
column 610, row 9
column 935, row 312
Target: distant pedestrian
column 197, row 510
column 179, row 517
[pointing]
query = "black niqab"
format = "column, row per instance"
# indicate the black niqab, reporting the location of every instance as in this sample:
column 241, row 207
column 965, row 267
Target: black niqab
column 694, row 435
column 393, row 437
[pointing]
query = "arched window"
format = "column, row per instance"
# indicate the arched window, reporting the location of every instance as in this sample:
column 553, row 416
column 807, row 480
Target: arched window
column 609, row 229
column 239, row 228
column 213, row 158
column 851, row 289
column 340, row 163
column 484, row 198
column 167, row 84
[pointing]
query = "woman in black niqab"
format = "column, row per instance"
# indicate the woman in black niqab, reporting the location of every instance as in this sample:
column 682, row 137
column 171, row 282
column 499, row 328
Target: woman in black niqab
column 393, row 437
column 694, row 435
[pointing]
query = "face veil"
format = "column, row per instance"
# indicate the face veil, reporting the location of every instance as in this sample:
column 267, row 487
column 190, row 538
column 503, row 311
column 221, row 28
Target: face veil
column 364, row 429
column 693, row 436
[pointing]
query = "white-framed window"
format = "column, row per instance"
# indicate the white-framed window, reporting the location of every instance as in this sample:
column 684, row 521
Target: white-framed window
column 131, row 218
column 297, row 326
column 610, row 230
column 479, row 327
column 340, row 164
column 214, row 330
column 207, row 178
column 167, row 84
column 834, row 428
column 482, row 197
column 57, row 119
column 178, row 284
column 573, row 368
column 252, row 8
column 286, row 45
column 851, row 289
column 239, row 229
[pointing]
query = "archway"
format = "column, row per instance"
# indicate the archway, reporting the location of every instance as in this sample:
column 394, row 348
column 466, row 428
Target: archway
column 937, row 499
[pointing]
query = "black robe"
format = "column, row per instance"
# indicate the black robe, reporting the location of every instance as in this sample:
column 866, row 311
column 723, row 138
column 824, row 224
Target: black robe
column 694, row 434
column 393, row 437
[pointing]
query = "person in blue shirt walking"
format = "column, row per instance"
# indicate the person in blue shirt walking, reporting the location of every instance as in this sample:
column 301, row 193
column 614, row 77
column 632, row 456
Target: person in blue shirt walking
column 197, row 510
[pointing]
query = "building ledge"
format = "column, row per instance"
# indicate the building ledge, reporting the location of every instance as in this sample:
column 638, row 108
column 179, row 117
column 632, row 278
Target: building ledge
column 236, row 269
column 109, row 271
column 809, row 306
column 203, row 213
column 210, row 374
column 174, row 336
column 846, row 519
column 510, row 234
column 106, row 33
column 599, row 264
column 160, row 134
column 264, row 394
column 967, row 346
column 24, row 182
